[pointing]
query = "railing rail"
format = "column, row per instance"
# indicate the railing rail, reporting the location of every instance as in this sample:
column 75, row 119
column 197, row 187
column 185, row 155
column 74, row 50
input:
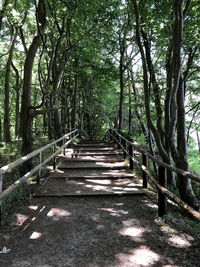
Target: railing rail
column 185, row 174
column 163, row 193
column 72, row 135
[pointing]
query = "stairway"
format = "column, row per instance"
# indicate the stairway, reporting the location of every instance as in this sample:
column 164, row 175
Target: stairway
column 91, row 168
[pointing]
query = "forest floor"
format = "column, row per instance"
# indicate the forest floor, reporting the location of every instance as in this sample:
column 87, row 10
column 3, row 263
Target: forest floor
column 97, row 232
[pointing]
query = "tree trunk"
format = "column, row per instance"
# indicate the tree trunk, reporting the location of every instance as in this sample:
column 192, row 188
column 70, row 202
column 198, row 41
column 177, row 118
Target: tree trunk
column 7, row 136
column 0, row 130
column 129, row 111
column 184, row 184
column 26, row 116
column 3, row 9
column 74, row 100
column 198, row 139
column 121, row 97
column 56, row 113
column 17, row 90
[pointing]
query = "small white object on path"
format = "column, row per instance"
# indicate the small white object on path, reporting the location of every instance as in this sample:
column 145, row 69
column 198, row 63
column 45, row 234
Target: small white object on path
column 4, row 250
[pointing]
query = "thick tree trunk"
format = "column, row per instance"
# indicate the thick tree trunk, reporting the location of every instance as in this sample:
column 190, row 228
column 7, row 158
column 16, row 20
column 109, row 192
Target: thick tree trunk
column 184, row 184
column 26, row 116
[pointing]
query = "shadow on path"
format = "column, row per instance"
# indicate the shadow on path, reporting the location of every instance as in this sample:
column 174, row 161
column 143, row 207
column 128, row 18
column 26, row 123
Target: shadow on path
column 97, row 232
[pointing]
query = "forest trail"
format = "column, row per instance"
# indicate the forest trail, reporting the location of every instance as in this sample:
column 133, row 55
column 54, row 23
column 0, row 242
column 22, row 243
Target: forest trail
column 92, row 212
column 91, row 169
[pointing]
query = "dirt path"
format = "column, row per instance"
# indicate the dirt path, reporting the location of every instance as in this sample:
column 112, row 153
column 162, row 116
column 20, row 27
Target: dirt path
column 95, row 231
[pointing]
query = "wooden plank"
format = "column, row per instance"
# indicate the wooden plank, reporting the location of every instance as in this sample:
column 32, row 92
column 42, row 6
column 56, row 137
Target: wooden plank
column 93, row 168
column 21, row 180
column 185, row 174
column 97, row 153
column 102, row 177
column 144, row 175
column 139, row 193
column 20, row 161
column 189, row 210
column 162, row 199
column 94, row 145
column 78, row 160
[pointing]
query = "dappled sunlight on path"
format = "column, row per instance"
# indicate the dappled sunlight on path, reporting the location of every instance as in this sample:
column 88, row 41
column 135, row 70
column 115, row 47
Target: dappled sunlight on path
column 103, row 232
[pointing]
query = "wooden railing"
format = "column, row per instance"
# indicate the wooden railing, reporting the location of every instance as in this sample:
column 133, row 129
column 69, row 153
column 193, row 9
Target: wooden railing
column 160, row 183
column 66, row 140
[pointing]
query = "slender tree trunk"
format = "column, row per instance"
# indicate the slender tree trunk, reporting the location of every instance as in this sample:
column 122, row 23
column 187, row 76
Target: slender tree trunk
column 147, row 66
column 121, row 97
column 129, row 111
column 50, row 128
column 74, row 101
column 75, row 92
column 7, row 136
column 17, row 90
column 56, row 113
column 198, row 139
column 0, row 130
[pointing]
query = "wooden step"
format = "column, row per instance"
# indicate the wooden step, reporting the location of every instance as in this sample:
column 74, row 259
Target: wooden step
column 91, row 165
column 94, row 160
column 92, row 149
column 92, row 141
column 97, row 177
column 83, row 173
column 89, row 187
column 95, row 145
column 98, row 153
column 118, row 194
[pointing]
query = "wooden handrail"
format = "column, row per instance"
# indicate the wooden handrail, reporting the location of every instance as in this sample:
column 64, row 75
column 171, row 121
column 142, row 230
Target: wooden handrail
column 18, row 162
column 7, row 191
column 163, row 192
column 185, row 174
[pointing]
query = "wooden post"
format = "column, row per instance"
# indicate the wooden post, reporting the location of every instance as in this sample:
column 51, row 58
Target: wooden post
column 119, row 140
column 64, row 147
column 54, row 159
column 130, row 150
column 162, row 200
column 111, row 136
column 40, row 170
column 105, row 137
column 144, row 175
column 125, row 147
